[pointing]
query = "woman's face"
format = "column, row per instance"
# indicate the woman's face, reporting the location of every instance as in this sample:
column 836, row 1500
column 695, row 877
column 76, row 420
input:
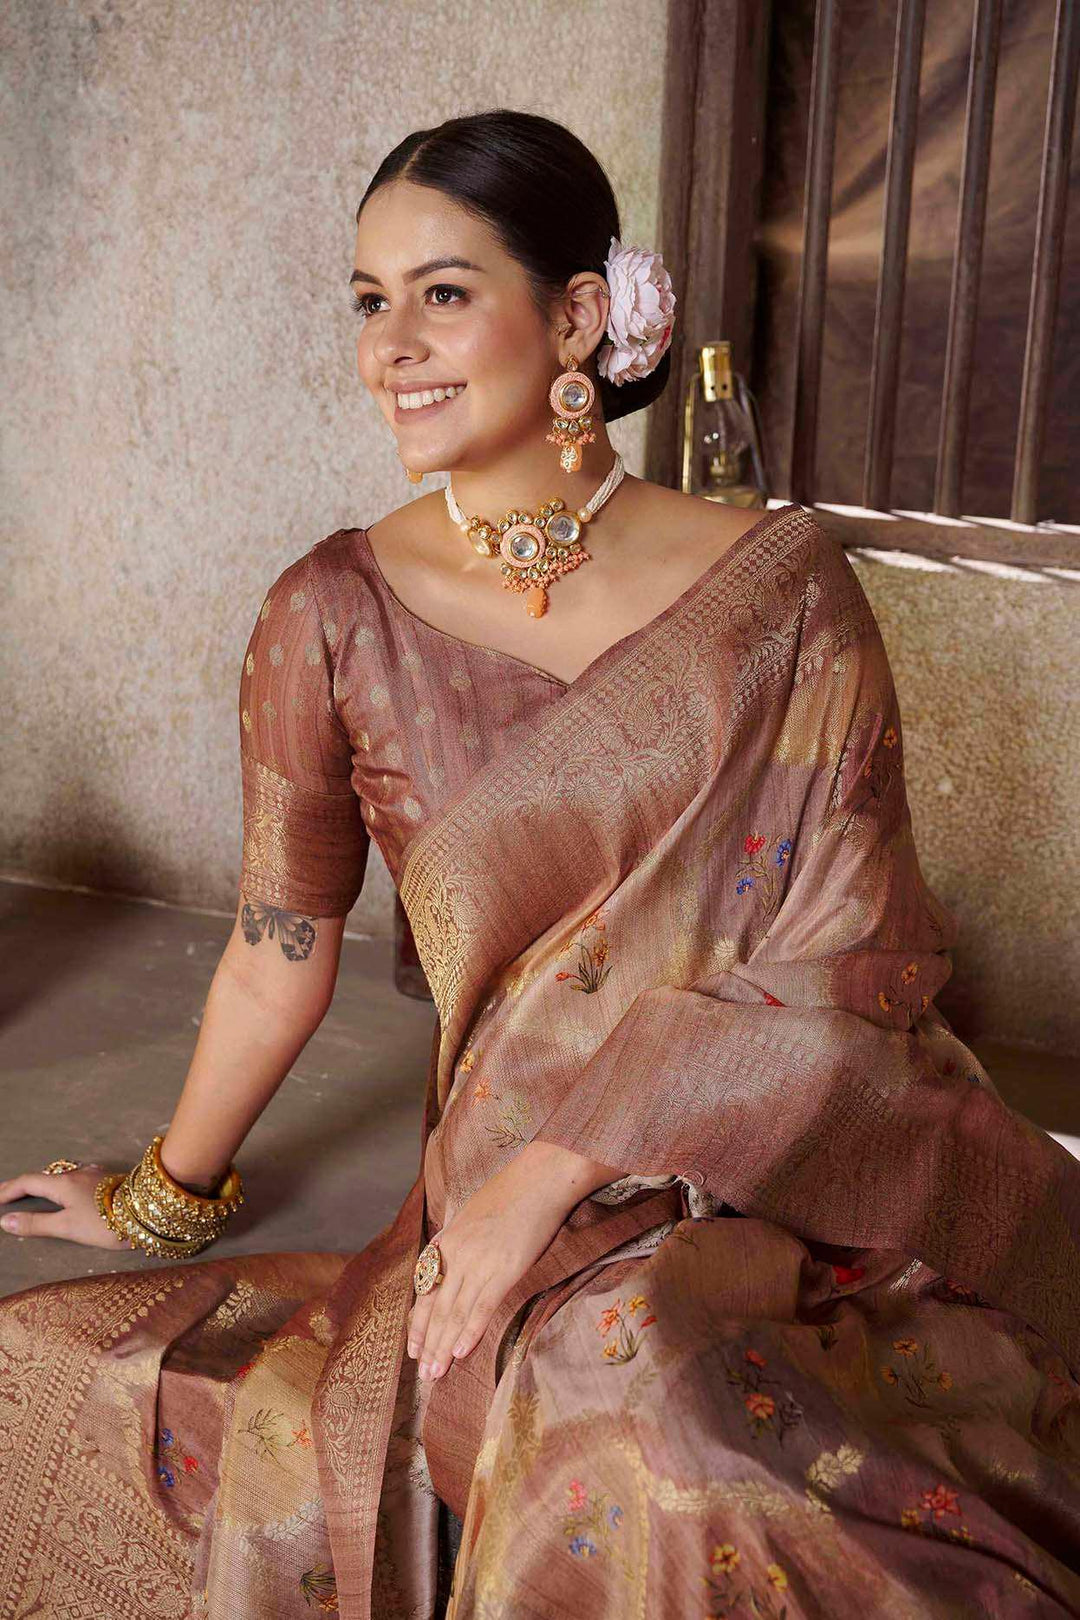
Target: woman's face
column 472, row 325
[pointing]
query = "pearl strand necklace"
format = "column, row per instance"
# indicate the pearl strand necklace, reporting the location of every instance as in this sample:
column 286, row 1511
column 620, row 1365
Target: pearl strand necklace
column 536, row 548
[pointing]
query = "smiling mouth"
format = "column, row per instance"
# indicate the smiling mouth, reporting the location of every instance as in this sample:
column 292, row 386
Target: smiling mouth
column 423, row 401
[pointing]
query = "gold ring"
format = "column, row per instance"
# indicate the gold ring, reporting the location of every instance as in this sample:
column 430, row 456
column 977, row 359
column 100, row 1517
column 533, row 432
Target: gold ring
column 428, row 1270
column 58, row 1167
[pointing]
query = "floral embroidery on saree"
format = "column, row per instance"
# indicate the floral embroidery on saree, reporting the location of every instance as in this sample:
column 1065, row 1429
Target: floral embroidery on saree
column 628, row 1334
column 593, row 965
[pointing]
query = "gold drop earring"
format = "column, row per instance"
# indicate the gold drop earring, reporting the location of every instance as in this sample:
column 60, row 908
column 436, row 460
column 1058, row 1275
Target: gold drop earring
column 571, row 398
column 413, row 477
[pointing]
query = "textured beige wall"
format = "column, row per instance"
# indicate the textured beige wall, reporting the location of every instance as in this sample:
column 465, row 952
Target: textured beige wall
column 988, row 680
column 181, row 414
column 181, row 417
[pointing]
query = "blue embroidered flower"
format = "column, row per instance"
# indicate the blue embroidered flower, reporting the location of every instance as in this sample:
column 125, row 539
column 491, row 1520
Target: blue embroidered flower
column 615, row 1515
column 166, row 1437
column 974, row 1079
column 583, row 1547
column 744, row 884
column 783, row 850
column 167, row 1476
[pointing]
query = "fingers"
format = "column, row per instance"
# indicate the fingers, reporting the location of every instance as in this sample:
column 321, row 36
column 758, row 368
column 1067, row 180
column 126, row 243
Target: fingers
column 36, row 1223
column 451, row 1328
column 425, row 1327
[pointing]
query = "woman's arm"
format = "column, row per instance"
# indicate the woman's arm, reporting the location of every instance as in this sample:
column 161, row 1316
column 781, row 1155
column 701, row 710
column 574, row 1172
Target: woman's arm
column 269, row 994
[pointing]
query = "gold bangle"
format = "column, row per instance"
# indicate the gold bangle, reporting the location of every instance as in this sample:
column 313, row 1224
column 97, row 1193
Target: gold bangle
column 127, row 1222
column 229, row 1196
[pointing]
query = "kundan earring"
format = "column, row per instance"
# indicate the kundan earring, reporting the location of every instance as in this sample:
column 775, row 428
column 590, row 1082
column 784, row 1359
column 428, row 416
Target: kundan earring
column 571, row 397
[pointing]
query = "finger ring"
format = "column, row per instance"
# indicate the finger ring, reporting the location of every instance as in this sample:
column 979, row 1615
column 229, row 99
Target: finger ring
column 57, row 1167
column 429, row 1269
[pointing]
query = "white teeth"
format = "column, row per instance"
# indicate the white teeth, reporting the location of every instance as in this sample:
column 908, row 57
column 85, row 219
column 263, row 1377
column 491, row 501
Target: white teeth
column 428, row 396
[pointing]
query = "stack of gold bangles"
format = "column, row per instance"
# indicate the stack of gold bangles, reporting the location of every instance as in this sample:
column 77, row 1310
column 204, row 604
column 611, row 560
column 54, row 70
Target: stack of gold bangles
column 157, row 1214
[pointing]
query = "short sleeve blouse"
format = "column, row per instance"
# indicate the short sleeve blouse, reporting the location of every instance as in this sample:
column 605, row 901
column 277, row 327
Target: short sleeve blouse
column 305, row 845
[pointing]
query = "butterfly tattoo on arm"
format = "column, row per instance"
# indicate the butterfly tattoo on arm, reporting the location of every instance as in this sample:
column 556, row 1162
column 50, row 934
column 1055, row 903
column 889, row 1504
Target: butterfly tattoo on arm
column 295, row 935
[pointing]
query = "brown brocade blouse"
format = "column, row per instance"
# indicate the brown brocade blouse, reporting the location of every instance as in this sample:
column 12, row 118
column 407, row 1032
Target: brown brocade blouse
column 358, row 719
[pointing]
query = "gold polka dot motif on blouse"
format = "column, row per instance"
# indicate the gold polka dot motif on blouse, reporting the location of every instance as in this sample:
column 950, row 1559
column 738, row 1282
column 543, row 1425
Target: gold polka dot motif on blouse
column 305, row 844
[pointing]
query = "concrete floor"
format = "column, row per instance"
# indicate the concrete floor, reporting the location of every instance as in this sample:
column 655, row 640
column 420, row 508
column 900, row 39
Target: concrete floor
column 102, row 997
column 101, row 1002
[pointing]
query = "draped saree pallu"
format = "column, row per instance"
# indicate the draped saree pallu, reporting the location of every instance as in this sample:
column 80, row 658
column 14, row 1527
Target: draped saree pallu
column 815, row 1352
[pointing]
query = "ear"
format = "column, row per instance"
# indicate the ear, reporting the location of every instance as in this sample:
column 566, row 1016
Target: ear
column 582, row 314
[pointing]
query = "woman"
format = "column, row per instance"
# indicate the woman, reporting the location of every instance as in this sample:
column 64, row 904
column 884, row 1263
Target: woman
column 728, row 1282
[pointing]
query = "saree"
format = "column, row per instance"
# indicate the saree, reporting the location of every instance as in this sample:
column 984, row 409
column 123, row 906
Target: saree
column 813, row 1352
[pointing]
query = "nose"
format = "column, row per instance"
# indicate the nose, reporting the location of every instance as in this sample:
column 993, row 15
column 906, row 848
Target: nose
column 397, row 337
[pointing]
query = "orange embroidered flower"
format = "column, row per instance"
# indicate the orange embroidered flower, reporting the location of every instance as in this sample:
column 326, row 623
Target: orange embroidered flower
column 777, row 1576
column 724, row 1558
column 906, row 1347
column 941, row 1500
column 755, row 1358
column 594, row 920
column 889, row 1375
column 600, row 950
column 482, row 1089
column 909, row 972
column 883, row 1001
column 609, row 1317
column 945, row 1380
column 925, row 1003
column 910, row 1519
column 563, row 975
column 890, row 738
column 468, row 1060
column 302, row 1437
column 611, row 1350
column 760, row 1406
column 638, row 1303
column 960, row 1532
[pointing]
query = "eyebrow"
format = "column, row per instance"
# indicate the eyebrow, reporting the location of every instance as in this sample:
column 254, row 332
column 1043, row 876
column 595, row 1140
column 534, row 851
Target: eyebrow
column 421, row 270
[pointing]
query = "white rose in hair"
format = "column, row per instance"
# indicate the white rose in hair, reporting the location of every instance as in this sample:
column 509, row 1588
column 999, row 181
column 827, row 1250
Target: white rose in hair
column 641, row 316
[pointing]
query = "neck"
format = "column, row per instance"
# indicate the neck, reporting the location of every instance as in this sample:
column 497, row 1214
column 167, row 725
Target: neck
column 525, row 479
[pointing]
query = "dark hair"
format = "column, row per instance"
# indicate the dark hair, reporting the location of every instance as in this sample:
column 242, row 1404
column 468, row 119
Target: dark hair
column 545, row 196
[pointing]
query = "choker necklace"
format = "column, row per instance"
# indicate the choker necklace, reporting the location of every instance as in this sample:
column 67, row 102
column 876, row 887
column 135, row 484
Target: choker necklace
column 535, row 548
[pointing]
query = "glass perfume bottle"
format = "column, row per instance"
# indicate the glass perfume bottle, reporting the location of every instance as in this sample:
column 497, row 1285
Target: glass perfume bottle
column 721, row 443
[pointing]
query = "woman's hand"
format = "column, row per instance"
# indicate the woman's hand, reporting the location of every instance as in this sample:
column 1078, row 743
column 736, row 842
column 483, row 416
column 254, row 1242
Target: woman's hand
column 491, row 1242
column 77, row 1219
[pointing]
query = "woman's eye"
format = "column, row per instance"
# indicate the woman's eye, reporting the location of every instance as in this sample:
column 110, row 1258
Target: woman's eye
column 361, row 302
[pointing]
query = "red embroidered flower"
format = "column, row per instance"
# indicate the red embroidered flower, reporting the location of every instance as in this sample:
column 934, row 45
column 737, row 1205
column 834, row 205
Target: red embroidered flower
column 190, row 1464
column 561, row 976
column 941, row 1501
column 648, row 1322
column 760, row 1406
column 848, row 1274
column 754, row 842
column 755, row 1358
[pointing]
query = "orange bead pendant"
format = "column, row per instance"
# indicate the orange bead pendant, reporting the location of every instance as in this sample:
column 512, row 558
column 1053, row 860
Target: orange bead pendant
column 536, row 602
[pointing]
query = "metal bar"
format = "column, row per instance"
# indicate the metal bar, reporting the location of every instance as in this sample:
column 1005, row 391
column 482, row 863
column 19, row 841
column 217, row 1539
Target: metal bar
column 1046, row 265
column 817, row 200
column 885, row 364
column 967, row 261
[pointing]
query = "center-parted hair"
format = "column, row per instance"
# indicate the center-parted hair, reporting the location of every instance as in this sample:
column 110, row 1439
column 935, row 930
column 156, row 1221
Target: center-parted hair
column 544, row 195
